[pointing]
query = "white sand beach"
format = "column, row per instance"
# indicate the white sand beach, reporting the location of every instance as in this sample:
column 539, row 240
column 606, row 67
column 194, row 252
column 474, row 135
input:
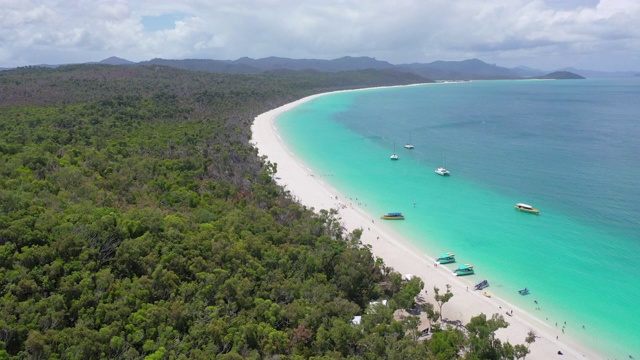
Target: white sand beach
column 400, row 254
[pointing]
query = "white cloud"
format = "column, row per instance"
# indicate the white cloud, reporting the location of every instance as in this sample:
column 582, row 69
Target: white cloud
column 546, row 34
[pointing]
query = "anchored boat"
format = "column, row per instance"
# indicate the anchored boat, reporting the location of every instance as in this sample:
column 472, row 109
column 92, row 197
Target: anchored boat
column 527, row 208
column 446, row 258
column 466, row 269
column 392, row 216
column 442, row 170
column 394, row 156
column 524, row 291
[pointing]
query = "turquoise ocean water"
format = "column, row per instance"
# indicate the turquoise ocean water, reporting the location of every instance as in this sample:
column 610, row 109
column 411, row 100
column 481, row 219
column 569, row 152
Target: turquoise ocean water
column 570, row 148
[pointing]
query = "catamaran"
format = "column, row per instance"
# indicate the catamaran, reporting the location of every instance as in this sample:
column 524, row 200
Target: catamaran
column 409, row 145
column 394, row 156
column 442, row 170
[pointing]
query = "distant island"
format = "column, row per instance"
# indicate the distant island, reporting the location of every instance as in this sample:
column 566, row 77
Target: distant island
column 560, row 75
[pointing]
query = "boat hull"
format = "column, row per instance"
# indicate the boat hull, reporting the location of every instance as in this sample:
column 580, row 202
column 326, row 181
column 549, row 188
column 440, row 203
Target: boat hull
column 445, row 261
column 463, row 273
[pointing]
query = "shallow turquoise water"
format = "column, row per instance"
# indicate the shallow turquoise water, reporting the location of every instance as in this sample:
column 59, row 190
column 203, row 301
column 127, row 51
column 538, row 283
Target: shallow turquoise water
column 570, row 148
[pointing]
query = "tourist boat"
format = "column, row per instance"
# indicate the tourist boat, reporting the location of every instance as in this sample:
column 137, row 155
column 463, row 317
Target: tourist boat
column 527, row 208
column 524, row 291
column 394, row 156
column 481, row 285
column 446, row 258
column 487, row 294
column 392, row 216
column 466, row 269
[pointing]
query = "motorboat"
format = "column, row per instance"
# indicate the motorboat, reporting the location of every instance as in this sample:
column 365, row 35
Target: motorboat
column 524, row 291
column 446, row 258
column 466, row 269
column 442, row 171
column 392, row 216
column 527, row 208
column 481, row 285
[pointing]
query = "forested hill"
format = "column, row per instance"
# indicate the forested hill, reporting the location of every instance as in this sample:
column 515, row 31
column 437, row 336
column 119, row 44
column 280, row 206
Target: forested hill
column 137, row 221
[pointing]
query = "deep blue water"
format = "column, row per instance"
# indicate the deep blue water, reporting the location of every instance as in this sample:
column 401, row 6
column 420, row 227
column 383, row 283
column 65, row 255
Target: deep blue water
column 570, row 148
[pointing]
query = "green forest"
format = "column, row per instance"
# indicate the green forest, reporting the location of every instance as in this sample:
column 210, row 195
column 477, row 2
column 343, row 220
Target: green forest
column 138, row 222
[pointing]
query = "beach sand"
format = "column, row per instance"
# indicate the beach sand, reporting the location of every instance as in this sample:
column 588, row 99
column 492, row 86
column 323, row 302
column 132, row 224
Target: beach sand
column 399, row 253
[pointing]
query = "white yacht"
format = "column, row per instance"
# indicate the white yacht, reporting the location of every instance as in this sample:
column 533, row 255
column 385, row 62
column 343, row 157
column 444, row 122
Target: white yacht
column 442, row 171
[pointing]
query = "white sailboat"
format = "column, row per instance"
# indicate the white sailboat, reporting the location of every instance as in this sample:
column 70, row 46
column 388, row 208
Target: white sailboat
column 442, row 170
column 409, row 145
column 394, row 156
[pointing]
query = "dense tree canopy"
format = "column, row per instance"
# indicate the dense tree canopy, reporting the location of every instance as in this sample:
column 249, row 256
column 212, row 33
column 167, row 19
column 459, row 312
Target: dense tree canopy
column 137, row 221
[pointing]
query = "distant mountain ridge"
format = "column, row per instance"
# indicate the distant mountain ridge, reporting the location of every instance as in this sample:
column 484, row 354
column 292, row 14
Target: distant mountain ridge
column 471, row 69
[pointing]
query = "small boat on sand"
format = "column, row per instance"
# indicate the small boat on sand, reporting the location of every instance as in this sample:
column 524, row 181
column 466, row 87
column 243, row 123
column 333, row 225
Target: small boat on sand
column 466, row 269
column 446, row 258
column 524, row 291
column 527, row 208
column 392, row 216
column 481, row 285
column 487, row 294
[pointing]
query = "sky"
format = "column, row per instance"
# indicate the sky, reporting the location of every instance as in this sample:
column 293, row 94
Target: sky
column 542, row 34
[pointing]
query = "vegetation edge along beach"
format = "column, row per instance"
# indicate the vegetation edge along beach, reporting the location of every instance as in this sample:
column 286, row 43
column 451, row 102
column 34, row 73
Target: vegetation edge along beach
column 138, row 221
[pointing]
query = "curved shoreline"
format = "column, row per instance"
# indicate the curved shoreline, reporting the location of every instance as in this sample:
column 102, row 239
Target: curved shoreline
column 398, row 252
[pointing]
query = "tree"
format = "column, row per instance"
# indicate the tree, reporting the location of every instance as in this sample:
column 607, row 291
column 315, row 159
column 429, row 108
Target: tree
column 442, row 299
column 445, row 345
column 522, row 351
column 406, row 297
column 432, row 314
column 483, row 343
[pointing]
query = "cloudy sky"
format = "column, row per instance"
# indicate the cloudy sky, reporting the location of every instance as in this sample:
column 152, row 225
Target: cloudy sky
column 544, row 34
